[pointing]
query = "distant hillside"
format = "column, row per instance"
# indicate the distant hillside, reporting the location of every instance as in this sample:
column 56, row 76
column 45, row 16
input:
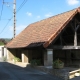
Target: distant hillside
column 4, row 41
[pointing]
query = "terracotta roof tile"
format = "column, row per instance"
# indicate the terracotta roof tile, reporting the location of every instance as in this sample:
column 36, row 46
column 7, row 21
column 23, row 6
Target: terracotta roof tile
column 42, row 32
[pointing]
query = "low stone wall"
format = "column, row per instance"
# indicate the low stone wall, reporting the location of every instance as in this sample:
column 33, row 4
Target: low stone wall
column 65, row 73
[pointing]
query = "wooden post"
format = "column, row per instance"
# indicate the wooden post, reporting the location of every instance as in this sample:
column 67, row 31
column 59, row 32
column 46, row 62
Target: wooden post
column 75, row 35
column 75, row 38
column 22, row 57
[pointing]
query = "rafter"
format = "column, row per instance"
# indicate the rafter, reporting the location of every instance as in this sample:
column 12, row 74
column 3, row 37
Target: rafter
column 77, row 21
column 72, row 27
column 64, row 41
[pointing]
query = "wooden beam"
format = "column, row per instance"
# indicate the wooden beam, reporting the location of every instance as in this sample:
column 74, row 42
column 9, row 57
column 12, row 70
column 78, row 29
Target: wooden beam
column 65, row 47
column 76, row 22
column 72, row 27
column 64, row 41
column 77, row 27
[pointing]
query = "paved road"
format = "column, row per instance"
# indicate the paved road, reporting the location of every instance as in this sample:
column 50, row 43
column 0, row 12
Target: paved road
column 76, row 78
column 11, row 72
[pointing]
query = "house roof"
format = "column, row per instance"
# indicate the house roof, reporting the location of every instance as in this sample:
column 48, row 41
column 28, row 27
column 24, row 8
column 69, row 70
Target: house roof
column 42, row 32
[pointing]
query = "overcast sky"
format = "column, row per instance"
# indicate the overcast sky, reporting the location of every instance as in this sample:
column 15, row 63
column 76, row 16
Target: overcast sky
column 32, row 11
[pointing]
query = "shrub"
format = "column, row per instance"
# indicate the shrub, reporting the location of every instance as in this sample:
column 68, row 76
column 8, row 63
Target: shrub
column 16, row 59
column 35, row 62
column 58, row 64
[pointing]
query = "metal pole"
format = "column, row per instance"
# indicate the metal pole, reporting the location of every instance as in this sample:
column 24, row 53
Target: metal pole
column 14, row 13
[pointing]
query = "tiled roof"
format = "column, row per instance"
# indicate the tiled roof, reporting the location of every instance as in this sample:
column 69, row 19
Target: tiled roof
column 42, row 32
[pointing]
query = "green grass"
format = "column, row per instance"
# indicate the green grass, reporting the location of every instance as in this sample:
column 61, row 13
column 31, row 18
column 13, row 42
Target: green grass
column 1, row 43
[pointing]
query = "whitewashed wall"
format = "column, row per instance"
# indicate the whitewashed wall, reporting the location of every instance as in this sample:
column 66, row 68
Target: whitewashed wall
column 3, row 52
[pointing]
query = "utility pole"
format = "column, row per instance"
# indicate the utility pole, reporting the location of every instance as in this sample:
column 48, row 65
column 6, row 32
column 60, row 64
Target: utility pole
column 14, row 13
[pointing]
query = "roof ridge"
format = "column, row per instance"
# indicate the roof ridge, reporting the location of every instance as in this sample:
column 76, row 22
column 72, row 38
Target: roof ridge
column 53, row 16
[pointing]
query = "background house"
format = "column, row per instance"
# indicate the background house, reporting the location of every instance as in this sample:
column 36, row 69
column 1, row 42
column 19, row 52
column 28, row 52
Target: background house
column 49, row 39
column 3, row 49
